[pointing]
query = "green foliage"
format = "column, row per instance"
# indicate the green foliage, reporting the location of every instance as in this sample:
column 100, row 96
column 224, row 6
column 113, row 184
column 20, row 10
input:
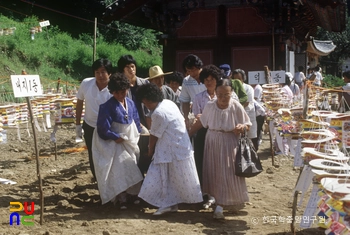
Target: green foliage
column 133, row 38
column 55, row 54
column 341, row 40
column 331, row 81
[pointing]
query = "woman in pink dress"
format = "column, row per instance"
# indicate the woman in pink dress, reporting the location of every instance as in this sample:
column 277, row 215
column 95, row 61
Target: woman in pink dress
column 225, row 119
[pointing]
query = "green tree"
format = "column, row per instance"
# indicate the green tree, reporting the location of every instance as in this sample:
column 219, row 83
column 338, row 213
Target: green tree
column 132, row 37
column 341, row 40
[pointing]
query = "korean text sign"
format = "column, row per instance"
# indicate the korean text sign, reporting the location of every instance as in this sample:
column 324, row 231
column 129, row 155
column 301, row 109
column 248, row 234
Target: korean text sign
column 258, row 77
column 26, row 85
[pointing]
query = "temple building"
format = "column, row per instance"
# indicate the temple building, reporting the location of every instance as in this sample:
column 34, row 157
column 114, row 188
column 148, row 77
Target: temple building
column 246, row 34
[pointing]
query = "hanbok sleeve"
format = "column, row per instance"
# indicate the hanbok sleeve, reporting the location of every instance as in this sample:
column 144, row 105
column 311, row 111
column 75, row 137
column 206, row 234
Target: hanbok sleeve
column 159, row 124
column 104, row 123
column 204, row 118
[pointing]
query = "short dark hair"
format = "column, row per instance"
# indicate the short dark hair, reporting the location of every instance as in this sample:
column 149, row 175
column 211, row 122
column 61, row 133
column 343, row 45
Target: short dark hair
column 346, row 74
column 117, row 82
column 287, row 82
column 300, row 68
column 224, row 82
column 102, row 63
column 176, row 76
column 149, row 91
column 212, row 70
column 192, row 61
column 124, row 61
column 240, row 71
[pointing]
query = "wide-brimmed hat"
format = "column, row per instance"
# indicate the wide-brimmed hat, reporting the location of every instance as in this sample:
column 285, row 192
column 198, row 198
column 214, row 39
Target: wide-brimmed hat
column 156, row 71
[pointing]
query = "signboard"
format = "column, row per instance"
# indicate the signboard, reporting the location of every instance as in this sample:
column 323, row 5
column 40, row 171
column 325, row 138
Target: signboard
column 44, row 23
column 258, row 77
column 278, row 76
column 26, row 85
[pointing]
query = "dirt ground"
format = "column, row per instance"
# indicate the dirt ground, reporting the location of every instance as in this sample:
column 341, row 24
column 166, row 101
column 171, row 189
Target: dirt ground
column 72, row 204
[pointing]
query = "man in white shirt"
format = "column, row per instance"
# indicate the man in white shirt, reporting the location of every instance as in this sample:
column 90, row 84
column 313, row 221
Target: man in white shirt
column 94, row 92
column 318, row 78
column 299, row 77
column 191, row 84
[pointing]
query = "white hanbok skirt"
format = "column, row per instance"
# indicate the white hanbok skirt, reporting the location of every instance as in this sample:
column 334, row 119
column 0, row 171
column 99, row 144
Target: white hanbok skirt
column 168, row 184
column 116, row 163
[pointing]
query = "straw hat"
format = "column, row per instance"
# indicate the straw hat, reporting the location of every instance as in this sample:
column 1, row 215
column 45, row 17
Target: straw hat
column 156, row 71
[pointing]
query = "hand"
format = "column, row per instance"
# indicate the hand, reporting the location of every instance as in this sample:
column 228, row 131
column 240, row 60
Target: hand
column 79, row 131
column 119, row 140
column 239, row 129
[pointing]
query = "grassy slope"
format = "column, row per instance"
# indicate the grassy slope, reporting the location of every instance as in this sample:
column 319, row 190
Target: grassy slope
column 54, row 54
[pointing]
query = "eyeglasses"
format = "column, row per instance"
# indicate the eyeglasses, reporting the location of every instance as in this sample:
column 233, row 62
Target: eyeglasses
column 227, row 95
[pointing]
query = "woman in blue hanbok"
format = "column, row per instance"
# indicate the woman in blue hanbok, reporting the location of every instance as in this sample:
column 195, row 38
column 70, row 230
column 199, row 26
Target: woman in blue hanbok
column 115, row 149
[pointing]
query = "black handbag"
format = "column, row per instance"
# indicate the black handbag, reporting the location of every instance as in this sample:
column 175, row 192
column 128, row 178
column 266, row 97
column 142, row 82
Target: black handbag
column 247, row 163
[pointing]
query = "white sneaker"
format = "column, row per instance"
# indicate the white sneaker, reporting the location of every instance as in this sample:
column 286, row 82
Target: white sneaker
column 219, row 213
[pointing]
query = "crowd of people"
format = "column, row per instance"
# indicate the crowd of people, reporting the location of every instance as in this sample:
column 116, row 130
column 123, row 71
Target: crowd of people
column 193, row 121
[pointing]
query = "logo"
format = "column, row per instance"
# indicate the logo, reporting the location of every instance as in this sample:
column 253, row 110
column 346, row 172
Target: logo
column 28, row 219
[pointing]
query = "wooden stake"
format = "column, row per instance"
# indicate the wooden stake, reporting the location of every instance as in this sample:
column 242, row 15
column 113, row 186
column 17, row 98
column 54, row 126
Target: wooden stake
column 55, row 150
column 94, row 47
column 58, row 85
column 271, row 145
column 37, row 161
column 306, row 101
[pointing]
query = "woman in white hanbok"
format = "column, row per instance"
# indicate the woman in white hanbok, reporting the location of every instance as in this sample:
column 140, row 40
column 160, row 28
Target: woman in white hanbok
column 114, row 145
column 172, row 177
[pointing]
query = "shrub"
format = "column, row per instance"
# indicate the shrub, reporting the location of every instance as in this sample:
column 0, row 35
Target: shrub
column 330, row 81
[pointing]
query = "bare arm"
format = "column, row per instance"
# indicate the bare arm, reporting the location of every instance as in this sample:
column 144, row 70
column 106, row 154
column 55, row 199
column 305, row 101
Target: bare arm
column 186, row 110
column 148, row 122
column 195, row 127
column 78, row 111
column 152, row 145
